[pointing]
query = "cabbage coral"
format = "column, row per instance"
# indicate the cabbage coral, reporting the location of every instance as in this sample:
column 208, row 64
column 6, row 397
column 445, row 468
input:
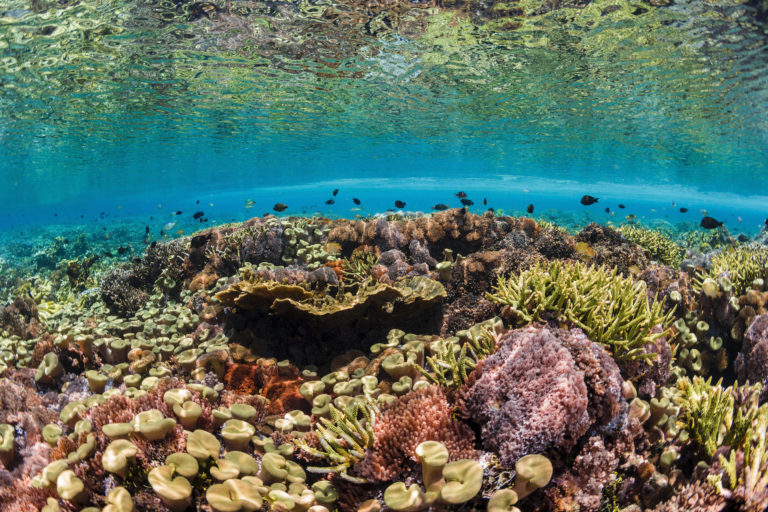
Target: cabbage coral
column 611, row 309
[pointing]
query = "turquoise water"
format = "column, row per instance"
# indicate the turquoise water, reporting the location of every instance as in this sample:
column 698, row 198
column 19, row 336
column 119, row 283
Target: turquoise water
column 131, row 110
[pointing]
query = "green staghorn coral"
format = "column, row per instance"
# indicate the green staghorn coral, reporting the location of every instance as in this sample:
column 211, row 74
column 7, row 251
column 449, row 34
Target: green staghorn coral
column 743, row 265
column 711, row 415
column 453, row 359
column 344, row 437
column 748, row 478
column 704, row 240
column 660, row 246
column 359, row 266
column 611, row 309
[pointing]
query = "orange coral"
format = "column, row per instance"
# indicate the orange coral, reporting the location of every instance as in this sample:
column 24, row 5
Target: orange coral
column 338, row 267
column 204, row 280
column 280, row 386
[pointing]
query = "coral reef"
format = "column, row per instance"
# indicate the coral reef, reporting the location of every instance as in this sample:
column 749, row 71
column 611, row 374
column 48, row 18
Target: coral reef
column 321, row 365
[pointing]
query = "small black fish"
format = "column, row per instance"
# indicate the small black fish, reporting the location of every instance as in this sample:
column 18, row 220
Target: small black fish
column 588, row 200
column 330, row 201
column 146, row 229
column 151, row 217
column 400, row 204
column 607, row 210
column 529, row 209
column 161, row 233
column 197, row 215
column 55, row 214
column 356, row 200
column 82, row 216
column 137, row 260
column 197, row 202
column 467, row 202
column 743, row 238
column 122, row 250
column 485, row 201
column 461, row 195
column 622, row 206
column 279, row 207
column 766, row 222
column 335, row 191
column 201, row 220
column 710, row 223
column 683, row 210
column 108, row 254
column 440, row 207
column 178, row 212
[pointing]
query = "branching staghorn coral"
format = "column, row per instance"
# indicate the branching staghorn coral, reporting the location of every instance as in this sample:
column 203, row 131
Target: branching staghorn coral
column 344, row 437
column 359, row 265
column 454, row 359
column 743, row 265
column 611, row 309
column 658, row 244
column 711, row 414
column 749, row 478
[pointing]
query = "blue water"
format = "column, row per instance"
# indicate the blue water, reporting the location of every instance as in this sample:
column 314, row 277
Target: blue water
column 133, row 110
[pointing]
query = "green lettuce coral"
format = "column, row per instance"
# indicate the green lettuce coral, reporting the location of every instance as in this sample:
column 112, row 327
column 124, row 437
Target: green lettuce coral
column 611, row 309
column 333, row 305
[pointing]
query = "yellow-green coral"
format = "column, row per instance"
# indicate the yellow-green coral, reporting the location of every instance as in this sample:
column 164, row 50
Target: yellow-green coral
column 704, row 240
column 710, row 415
column 453, row 359
column 359, row 265
column 344, row 437
column 658, row 244
column 611, row 309
column 743, row 265
column 750, row 476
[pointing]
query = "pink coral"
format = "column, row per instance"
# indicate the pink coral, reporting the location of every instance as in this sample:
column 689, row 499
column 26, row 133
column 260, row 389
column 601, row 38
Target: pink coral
column 423, row 415
column 752, row 362
column 542, row 389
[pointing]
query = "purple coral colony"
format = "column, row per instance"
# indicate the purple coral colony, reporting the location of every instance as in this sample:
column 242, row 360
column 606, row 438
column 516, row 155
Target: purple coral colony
column 449, row 361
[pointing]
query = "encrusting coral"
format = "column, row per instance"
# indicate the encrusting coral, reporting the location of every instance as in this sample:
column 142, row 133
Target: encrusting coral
column 532, row 394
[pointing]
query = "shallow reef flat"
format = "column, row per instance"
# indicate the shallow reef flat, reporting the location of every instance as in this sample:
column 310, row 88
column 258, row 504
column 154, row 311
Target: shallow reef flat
column 444, row 362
